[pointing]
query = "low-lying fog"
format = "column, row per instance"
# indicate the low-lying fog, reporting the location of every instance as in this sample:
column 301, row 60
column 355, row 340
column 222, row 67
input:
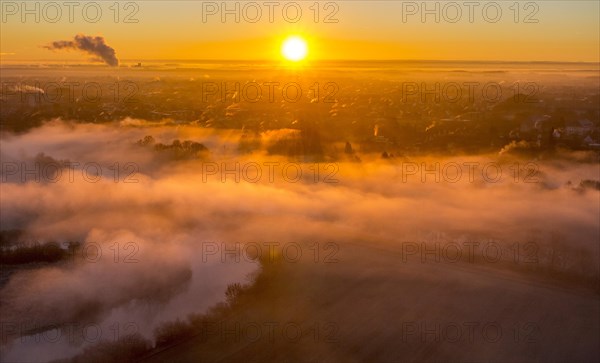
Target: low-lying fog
column 169, row 206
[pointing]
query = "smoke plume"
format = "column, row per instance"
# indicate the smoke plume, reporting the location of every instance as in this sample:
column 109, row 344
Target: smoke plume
column 89, row 44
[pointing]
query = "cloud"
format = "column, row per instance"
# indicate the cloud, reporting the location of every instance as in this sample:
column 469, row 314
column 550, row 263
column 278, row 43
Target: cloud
column 89, row 44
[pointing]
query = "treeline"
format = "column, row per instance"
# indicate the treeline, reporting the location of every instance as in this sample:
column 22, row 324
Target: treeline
column 15, row 252
column 178, row 150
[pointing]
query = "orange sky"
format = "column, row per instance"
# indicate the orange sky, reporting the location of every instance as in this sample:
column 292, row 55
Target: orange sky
column 547, row 31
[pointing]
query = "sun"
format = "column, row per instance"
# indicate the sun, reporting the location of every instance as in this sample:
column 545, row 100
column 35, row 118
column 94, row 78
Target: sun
column 294, row 49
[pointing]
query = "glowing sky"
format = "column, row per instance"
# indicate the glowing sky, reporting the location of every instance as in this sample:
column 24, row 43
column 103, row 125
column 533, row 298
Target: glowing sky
column 564, row 31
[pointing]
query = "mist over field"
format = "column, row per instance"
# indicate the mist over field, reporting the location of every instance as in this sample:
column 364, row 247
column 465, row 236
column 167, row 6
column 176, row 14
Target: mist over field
column 168, row 207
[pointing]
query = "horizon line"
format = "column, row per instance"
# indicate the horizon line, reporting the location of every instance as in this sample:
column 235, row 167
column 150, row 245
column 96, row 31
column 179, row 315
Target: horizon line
column 205, row 60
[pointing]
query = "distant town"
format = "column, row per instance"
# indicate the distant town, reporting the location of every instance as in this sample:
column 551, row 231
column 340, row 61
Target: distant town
column 392, row 115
